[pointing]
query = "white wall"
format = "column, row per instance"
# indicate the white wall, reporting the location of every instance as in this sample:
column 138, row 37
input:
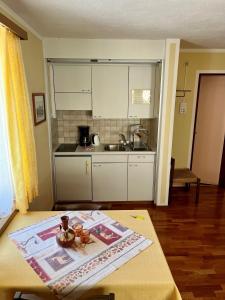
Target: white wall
column 103, row 48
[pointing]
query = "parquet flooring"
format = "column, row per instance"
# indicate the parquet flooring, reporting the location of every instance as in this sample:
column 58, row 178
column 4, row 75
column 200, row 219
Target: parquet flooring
column 193, row 241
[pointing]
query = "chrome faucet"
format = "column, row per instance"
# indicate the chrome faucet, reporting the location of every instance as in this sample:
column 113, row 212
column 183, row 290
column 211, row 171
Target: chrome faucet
column 123, row 139
column 137, row 130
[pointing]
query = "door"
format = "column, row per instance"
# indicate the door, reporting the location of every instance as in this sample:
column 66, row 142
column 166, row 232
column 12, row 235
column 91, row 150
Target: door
column 209, row 128
column 140, row 181
column 141, row 91
column 109, row 181
column 222, row 169
column 110, row 91
column 73, row 178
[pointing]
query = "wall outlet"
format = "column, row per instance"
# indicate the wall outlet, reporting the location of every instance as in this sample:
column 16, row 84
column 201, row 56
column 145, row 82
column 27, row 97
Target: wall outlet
column 183, row 107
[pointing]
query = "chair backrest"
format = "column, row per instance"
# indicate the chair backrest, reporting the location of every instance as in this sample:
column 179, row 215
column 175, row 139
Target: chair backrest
column 81, row 206
column 110, row 296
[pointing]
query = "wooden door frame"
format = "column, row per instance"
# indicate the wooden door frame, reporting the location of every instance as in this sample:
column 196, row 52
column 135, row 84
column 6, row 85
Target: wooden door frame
column 222, row 168
column 194, row 107
column 199, row 76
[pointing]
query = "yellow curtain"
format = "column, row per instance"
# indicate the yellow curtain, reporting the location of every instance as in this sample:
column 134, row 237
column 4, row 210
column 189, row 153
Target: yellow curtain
column 19, row 121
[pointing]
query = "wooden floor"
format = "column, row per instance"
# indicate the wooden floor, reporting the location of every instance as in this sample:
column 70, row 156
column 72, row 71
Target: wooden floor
column 193, row 241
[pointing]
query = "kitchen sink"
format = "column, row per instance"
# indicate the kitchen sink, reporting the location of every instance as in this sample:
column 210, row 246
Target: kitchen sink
column 130, row 147
column 115, row 147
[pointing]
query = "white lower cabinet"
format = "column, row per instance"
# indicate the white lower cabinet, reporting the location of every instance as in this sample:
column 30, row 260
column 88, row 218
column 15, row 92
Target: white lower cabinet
column 109, row 181
column 104, row 177
column 73, row 178
column 140, row 181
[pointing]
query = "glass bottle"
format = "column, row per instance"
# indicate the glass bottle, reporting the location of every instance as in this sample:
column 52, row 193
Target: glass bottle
column 65, row 236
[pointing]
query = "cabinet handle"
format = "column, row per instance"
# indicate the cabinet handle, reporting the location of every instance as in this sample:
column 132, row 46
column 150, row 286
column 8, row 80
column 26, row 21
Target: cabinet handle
column 85, row 91
column 86, row 164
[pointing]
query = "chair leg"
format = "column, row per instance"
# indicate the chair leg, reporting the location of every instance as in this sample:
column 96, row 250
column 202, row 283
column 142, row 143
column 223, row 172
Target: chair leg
column 197, row 191
column 111, row 296
column 187, row 186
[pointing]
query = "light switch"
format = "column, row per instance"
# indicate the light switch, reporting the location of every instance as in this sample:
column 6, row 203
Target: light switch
column 183, row 107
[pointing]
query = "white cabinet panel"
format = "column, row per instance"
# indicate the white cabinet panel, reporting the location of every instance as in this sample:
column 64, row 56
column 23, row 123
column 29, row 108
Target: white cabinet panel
column 72, row 87
column 141, row 91
column 141, row 158
column 109, row 181
column 109, row 158
column 110, row 91
column 158, row 78
column 73, row 178
column 140, row 181
column 72, row 79
column 73, row 101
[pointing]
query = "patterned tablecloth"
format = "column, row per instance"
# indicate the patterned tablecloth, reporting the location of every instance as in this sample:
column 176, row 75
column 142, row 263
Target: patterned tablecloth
column 69, row 272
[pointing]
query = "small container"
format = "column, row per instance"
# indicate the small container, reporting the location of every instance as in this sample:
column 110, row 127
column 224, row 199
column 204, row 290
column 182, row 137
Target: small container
column 85, row 236
column 66, row 236
column 78, row 228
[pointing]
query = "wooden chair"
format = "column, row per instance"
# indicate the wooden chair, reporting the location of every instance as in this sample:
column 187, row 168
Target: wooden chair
column 18, row 296
column 110, row 296
column 82, row 206
column 183, row 176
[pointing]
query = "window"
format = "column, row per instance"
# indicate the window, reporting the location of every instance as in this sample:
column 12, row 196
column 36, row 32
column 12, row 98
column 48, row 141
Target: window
column 6, row 186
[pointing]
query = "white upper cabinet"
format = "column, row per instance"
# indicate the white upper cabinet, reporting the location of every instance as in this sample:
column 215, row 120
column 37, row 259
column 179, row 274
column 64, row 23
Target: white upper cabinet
column 72, row 86
column 72, row 79
column 141, row 91
column 110, row 91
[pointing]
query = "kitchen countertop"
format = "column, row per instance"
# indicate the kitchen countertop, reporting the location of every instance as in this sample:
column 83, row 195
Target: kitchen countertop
column 100, row 150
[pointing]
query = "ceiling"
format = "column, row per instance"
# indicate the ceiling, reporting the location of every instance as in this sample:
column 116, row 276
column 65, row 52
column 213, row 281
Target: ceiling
column 199, row 23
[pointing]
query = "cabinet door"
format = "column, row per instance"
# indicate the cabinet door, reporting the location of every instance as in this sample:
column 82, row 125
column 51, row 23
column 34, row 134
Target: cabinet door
column 110, row 91
column 140, row 181
column 141, row 91
column 73, row 101
column 72, row 79
column 109, row 181
column 73, row 178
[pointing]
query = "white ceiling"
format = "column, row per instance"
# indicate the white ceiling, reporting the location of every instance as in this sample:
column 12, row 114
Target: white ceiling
column 200, row 23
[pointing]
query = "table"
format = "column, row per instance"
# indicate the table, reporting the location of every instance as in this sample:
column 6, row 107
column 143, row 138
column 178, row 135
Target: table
column 145, row 277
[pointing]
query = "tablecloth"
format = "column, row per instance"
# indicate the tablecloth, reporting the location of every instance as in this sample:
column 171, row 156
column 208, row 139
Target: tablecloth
column 145, row 277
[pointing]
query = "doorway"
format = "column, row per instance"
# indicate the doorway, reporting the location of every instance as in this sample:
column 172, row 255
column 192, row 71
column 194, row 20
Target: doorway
column 209, row 130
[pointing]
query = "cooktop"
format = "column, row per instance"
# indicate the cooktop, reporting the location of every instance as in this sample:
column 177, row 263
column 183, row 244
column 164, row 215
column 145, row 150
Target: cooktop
column 66, row 148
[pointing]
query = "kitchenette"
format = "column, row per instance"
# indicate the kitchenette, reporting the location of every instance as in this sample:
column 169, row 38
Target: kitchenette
column 104, row 125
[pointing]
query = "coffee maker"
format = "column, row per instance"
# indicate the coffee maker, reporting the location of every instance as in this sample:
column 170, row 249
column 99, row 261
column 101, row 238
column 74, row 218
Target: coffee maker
column 84, row 136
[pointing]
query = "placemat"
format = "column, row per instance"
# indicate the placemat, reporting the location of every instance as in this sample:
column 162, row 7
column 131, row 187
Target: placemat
column 69, row 272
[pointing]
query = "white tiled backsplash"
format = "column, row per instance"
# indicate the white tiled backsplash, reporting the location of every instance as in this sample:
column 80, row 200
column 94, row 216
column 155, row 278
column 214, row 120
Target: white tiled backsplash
column 108, row 129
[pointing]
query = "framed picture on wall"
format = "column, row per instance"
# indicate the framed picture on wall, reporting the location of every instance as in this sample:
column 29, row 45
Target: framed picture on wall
column 38, row 100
